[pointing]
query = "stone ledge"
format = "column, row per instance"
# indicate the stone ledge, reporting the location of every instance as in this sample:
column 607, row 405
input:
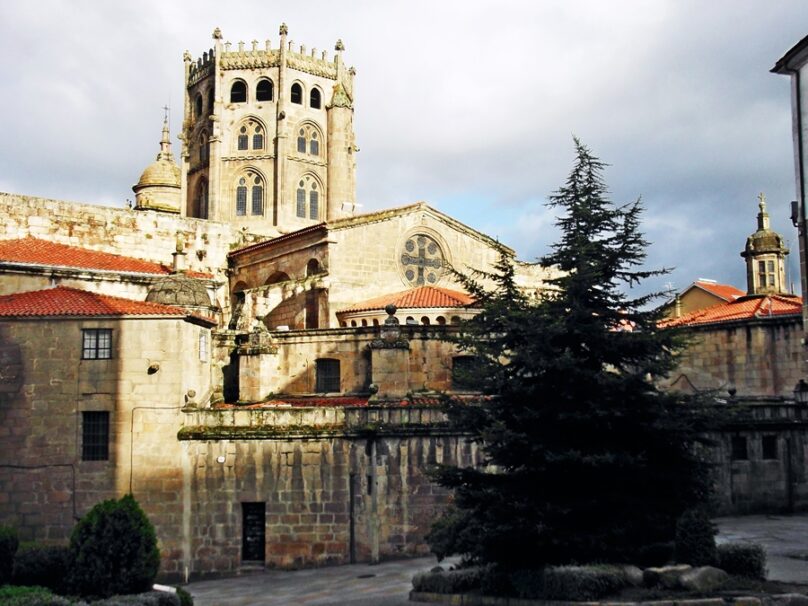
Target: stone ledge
column 465, row 599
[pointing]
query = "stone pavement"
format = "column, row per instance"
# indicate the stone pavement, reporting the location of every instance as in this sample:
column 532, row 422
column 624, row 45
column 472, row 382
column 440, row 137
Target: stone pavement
column 785, row 539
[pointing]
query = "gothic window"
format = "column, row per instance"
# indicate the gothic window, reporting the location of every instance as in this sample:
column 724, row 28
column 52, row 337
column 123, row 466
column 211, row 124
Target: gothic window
column 95, row 436
column 257, row 196
column 327, row 370
column 263, row 92
column 238, row 92
column 198, row 107
column 315, row 98
column 241, row 197
column 308, row 140
column 308, row 198
column 202, row 200
column 250, row 132
column 297, row 94
column 96, row 344
column 204, row 147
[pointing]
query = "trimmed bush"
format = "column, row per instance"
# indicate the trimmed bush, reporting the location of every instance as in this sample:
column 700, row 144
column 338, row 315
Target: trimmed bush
column 742, row 559
column 695, row 539
column 582, row 583
column 46, row 566
column 186, row 599
column 449, row 581
column 8, row 547
column 113, row 550
column 15, row 595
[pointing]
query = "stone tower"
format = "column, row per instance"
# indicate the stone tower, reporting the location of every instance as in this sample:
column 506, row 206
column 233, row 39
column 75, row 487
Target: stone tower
column 765, row 255
column 268, row 140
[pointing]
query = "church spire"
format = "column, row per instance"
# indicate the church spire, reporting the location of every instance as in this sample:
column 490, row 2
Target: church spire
column 763, row 215
column 765, row 255
column 165, row 140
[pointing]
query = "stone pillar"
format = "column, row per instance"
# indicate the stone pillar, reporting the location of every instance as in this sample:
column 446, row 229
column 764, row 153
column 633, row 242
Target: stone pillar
column 390, row 361
column 257, row 369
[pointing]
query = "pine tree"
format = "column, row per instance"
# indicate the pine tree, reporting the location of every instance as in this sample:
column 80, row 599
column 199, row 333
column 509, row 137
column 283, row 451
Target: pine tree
column 587, row 460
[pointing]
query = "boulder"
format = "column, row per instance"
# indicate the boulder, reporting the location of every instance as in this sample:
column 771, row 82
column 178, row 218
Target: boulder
column 664, row 576
column 632, row 574
column 704, row 578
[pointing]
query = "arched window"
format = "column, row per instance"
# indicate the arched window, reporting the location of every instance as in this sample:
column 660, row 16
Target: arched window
column 204, row 147
column 202, row 200
column 313, row 267
column 315, row 98
column 251, row 183
column 278, row 276
column 263, row 91
column 308, row 198
column 238, row 92
column 425, row 320
column 308, row 140
column 250, row 132
column 198, row 107
column 297, row 94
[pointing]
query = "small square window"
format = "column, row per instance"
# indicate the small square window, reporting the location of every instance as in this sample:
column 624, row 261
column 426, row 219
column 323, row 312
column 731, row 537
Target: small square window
column 327, row 375
column 95, row 436
column 769, row 447
column 96, row 344
column 739, row 451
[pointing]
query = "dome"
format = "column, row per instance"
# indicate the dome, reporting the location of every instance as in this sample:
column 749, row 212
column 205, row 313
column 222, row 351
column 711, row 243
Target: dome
column 179, row 290
column 765, row 241
column 160, row 172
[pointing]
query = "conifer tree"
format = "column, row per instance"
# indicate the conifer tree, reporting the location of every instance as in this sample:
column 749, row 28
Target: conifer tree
column 587, row 460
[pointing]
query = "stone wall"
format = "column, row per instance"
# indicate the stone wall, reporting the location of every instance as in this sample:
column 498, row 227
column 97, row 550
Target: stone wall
column 757, row 358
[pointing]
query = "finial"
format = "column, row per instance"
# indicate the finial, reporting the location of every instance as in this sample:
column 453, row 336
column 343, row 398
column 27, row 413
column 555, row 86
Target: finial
column 217, row 34
column 339, row 46
column 186, row 56
column 352, row 70
column 283, row 30
column 762, row 202
column 255, row 45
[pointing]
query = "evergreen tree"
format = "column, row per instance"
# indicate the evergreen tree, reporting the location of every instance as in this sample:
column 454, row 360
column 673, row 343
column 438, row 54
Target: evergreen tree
column 587, row 460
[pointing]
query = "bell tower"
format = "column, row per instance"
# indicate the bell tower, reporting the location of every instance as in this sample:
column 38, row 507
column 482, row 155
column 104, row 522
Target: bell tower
column 765, row 255
column 268, row 139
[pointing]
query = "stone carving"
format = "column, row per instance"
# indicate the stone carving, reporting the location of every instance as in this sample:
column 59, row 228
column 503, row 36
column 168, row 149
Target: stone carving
column 217, row 34
column 283, row 31
column 390, row 333
column 339, row 46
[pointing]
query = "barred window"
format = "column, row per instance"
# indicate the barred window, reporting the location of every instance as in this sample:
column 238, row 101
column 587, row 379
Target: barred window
column 95, row 436
column 301, row 201
column 327, row 375
column 243, row 139
column 314, row 201
column 308, row 198
column 96, row 344
column 258, row 197
column 301, row 141
column 314, row 145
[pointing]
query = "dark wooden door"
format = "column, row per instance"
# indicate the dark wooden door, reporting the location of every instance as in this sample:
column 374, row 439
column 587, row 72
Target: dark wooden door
column 253, row 531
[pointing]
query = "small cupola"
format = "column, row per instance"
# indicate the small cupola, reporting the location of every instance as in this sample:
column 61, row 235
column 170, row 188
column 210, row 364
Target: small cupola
column 765, row 255
column 159, row 187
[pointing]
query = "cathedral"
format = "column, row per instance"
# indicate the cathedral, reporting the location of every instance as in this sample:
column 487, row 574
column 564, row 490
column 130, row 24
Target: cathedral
column 256, row 362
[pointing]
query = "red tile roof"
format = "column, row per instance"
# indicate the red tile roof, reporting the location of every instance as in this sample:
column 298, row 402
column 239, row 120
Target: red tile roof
column 745, row 308
column 43, row 252
column 421, row 297
column 723, row 291
column 63, row 301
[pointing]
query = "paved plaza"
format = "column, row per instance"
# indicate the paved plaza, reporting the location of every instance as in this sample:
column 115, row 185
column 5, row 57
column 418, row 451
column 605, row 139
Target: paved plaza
column 785, row 539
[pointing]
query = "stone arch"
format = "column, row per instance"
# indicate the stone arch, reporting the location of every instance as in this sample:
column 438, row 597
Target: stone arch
column 249, row 192
column 251, row 135
column 309, row 139
column 277, row 277
column 309, row 197
column 313, row 267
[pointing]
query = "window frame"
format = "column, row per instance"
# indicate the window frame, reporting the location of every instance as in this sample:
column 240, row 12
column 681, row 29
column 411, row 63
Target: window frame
column 296, row 92
column 95, row 435
column 259, row 92
column 232, row 91
column 328, row 375
column 91, row 344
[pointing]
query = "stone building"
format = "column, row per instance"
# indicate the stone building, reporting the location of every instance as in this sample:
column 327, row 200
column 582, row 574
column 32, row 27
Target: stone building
column 230, row 349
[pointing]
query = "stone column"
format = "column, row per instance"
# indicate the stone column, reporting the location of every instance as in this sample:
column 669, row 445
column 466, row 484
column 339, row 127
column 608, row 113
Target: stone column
column 390, row 361
column 257, row 369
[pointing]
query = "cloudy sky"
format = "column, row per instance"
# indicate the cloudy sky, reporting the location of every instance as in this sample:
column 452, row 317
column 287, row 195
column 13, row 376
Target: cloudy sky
column 469, row 105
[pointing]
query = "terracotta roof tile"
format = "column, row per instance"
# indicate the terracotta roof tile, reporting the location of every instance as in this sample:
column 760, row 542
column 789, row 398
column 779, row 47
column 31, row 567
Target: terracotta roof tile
column 723, row 291
column 745, row 308
column 43, row 252
column 421, row 297
column 63, row 301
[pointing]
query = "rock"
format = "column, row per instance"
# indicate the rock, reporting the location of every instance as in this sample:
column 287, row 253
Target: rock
column 664, row 576
column 436, row 569
column 632, row 574
column 704, row 578
column 789, row 599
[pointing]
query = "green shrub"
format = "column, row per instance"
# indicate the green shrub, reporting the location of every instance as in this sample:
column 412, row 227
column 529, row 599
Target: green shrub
column 16, row 595
column 8, row 547
column 46, row 566
column 742, row 559
column 528, row 584
column 695, row 538
column 447, row 581
column 151, row 598
column 113, row 550
column 186, row 599
column 582, row 583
